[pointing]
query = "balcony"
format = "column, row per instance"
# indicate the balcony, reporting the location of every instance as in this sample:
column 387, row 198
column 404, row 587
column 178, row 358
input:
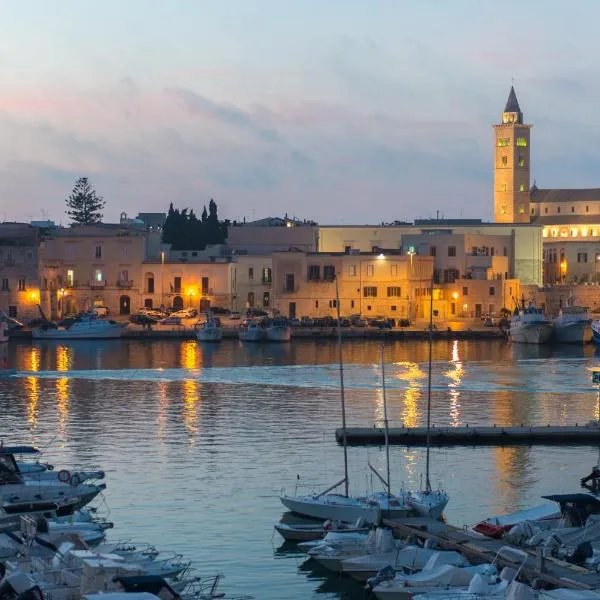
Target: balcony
column 266, row 281
column 97, row 285
column 125, row 283
column 290, row 289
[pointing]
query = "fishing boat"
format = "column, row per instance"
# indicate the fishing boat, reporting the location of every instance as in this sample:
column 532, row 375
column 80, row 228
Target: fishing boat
column 343, row 507
column 573, row 325
column 530, row 326
column 278, row 330
column 210, row 330
column 428, row 502
column 304, row 532
column 251, row 331
column 86, row 326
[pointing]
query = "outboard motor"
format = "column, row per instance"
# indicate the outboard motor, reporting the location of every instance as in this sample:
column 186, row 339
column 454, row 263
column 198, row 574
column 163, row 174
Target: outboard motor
column 20, row 587
column 386, row 574
column 581, row 553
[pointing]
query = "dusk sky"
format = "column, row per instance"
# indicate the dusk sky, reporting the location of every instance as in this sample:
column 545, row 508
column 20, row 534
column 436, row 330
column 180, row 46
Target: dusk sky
column 341, row 111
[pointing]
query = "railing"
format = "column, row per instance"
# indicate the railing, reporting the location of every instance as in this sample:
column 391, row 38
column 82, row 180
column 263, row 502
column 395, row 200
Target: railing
column 125, row 283
column 97, row 285
column 290, row 289
column 266, row 281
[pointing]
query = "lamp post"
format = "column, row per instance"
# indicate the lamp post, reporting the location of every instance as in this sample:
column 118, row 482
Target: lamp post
column 597, row 258
column 61, row 299
column 191, row 292
column 162, row 287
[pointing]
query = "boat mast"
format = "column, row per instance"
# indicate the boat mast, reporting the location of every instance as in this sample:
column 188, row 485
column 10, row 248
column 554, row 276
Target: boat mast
column 341, row 362
column 385, row 422
column 427, row 481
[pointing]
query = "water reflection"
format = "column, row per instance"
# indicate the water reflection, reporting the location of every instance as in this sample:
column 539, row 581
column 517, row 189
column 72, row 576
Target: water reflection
column 411, row 373
column 455, row 375
column 64, row 360
column 33, row 387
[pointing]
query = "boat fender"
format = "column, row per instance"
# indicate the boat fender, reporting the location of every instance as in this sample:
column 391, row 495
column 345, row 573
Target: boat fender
column 64, row 476
column 75, row 479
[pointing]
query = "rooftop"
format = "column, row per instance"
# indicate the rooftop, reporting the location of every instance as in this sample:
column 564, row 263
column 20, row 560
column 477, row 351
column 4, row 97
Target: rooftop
column 573, row 195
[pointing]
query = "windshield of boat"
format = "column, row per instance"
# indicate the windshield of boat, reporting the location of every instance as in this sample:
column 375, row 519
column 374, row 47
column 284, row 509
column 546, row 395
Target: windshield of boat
column 9, row 472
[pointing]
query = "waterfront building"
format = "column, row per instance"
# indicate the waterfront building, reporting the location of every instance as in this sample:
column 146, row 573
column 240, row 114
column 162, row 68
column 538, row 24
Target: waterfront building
column 22, row 287
column 253, row 275
column 93, row 266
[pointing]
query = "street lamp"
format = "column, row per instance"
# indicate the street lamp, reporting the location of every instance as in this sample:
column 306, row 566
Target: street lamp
column 191, row 292
column 61, row 299
column 411, row 252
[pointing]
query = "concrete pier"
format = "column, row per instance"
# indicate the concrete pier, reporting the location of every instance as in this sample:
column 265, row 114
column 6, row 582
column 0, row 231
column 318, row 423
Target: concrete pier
column 475, row 435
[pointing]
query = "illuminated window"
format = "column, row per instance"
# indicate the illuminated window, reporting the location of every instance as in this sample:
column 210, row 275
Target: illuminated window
column 522, row 142
column 70, row 277
column 352, row 270
column 521, row 161
column 545, row 233
column 522, row 188
column 584, row 231
column 554, row 232
column 521, row 209
column 503, row 187
column 594, row 233
column 505, row 160
column 503, row 142
column 370, row 292
column 574, row 232
column 393, row 292
column 98, row 275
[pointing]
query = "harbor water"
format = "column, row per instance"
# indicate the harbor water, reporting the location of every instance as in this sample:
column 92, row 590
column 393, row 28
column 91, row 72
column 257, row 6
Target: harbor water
column 199, row 441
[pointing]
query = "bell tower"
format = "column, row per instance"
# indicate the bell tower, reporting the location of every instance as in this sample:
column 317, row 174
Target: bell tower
column 511, row 165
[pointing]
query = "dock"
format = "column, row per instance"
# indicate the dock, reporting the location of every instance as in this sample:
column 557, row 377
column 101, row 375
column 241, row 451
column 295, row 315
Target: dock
column 538, row 570
column 495, row 435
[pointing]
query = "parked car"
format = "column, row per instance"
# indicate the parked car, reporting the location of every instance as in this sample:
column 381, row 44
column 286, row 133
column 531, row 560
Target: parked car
column 358, row 321
column 235, row 316
column 256, row 312
column 37, row 322
column 381, row 323
column 219, row 310
column 295, row 322
column 489, row 322
column 307, row 322
column 403, row 323
column 185, row 313
column 143, row 320
column 170, row 320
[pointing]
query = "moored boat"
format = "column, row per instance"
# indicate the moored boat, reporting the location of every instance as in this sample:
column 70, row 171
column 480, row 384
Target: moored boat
column 210, row 330
column 251, row 332
column 86, row 326
column 278, row 330
column 306, row 532
column 573, row 325
column 530, row 326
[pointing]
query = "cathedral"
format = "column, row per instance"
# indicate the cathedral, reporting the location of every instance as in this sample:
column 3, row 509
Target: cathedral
column 570, row 218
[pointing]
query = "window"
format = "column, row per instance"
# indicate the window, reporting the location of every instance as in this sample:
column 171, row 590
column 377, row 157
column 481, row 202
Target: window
column 393, row 308
column 522, row 188
column 394, row 270
column 329, row 272
column 587, row 209
column 150, row 284
column 70, row 277
column 572, row 209
column 316, row 304
column 453, row 308
column 522, row 142
column 546, row 210
column 12, row 312
column 393, row 292
column 502, row 142
column 267, row 276
column 290, row 282
column 492, row 291
column 451, row 250
column 98, row 253
column 582, row 257
column 369, row 270
column 521, row 161
column 204, row 283
column 333, row 304
column 347, row 249
column 558, row 209
column 250, row 300
column 504, row 160
column 370, row 292
column 492, row 251
column 5, row 284
column 266, row 299
column 314, row 272
column 503, row 187
column 465, row 291
column 124, row 250
column 98, row 275
column 521, row 209
column 432, row 251
column 505, row 251
column 177, row 284
column 45, row 283
column 22, row 285
column 352, row 270
column 250, row 273
column 351, row 303
column 532, row 210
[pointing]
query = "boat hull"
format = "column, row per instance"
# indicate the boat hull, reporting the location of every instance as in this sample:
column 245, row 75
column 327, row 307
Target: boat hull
column 428, row 504
column 531, row 333
column 210, row 335
column 573, row 333
column 65, row 334
column 337, row 508
column 251, row 335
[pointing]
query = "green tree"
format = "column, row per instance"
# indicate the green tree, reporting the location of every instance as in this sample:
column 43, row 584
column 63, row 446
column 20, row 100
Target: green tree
column 84, row 206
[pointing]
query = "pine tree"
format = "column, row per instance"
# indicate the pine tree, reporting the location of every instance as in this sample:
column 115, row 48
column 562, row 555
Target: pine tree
column 84, row 206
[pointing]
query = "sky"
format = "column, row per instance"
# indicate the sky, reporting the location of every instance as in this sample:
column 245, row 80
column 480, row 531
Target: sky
column 339, row 111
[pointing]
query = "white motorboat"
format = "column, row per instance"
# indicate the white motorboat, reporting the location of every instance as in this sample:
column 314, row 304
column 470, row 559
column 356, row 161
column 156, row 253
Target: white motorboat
column 497, row 526
column 87, row 326
column 307, row 532
column 251, row 332
column 530, row 326
column 278, row 330
column 428, row 503
column 573, row 325
column 481, row 589
column 210, row 330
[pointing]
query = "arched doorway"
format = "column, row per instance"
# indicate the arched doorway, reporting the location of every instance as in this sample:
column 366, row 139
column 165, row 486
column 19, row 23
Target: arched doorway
column 124, row 305
column 204, row 305
column 250, row 303
column 148, row 303
column 178, row 303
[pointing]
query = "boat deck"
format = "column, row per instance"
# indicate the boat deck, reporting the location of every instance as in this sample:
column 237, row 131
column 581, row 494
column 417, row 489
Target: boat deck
column 478, row 549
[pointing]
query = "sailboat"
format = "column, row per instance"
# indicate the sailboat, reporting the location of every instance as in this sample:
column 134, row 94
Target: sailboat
column 427, row 502
column 343, row 507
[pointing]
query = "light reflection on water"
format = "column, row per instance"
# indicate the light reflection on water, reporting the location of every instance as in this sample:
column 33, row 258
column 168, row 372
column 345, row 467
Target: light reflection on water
column 198, row 440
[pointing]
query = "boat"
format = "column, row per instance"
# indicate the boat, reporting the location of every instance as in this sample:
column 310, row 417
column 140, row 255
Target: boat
column 530, row 326
column 278, row 330
column 86, row 326
column 343, row 507
column 497, row 526
column 210, row 330
column 428, row 502
column 307, row 532
column 573, row 325
column 251, row 331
